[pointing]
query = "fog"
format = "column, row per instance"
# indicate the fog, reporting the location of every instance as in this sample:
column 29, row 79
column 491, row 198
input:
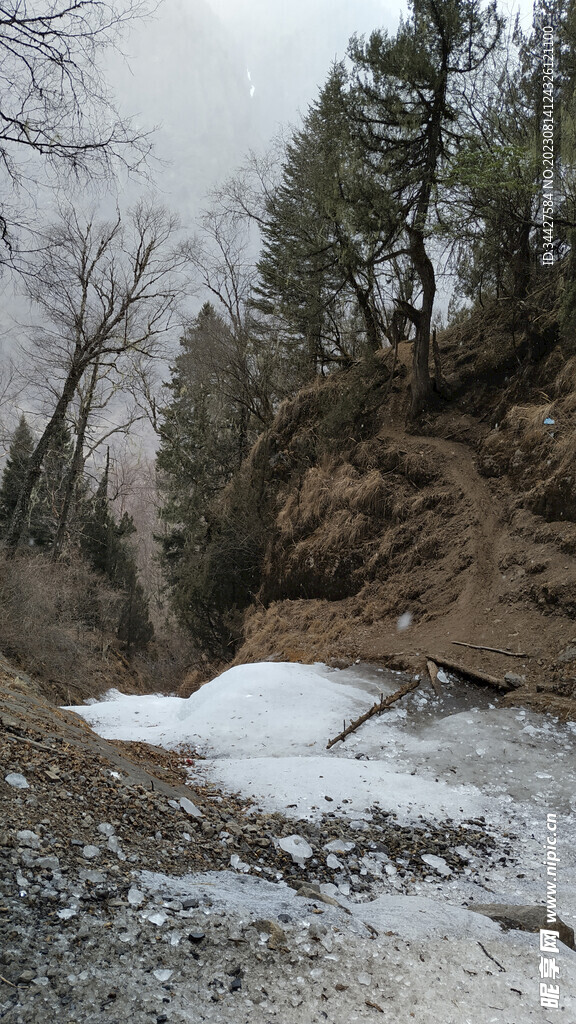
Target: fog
column 221, row 78
column 215, row 79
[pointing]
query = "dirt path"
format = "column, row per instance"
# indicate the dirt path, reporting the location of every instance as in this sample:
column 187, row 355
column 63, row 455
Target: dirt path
column 487, row 528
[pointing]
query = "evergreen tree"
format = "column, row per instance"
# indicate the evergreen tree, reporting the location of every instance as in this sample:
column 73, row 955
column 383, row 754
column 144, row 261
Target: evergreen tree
column 15, row 471
column 409, row 99
column 135, row 630
column 201, row 444
column 325, row 234
column 106, row 546
column 203, row 439
column 48, row 495
column 496, row 178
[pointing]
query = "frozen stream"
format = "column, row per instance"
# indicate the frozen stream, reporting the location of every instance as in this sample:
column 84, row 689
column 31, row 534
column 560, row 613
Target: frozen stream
column 262, row 731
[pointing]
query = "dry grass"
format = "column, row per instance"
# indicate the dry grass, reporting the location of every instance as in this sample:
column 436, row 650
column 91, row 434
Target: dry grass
column 292, row 411
column 371, row 494
column 565, row 383
column 58, row 621
column 341, row 533
column 528, row 420
column 334, row 495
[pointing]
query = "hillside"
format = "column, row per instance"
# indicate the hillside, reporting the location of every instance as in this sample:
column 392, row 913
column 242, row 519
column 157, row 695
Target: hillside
column 467, row 523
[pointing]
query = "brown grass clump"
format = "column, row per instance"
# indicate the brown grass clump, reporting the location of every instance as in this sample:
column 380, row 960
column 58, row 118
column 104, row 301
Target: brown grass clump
column 58, row 621
column 528, row 420
column 539, row 456
column 342, row 532
column 293, row 411
column 418, row 467
column 371, row 494
column 305, row 507
column 565, row 382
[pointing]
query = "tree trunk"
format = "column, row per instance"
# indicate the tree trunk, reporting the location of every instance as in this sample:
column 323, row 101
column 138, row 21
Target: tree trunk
column 521, row 262
column 421, row 386
column 77, row 461
column 370, row 321
column 37, row 457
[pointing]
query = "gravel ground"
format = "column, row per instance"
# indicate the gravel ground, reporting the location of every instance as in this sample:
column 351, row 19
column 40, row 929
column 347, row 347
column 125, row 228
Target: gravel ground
column 119, row 902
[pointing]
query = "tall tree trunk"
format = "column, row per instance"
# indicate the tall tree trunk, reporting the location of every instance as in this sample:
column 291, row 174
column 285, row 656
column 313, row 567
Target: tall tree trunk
column 37, row 458
column 77, row 464
column 371, row 324
column 421, row 386
column 521, row 261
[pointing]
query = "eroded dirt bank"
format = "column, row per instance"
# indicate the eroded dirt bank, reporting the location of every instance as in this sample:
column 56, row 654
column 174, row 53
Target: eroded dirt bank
column 467, row 525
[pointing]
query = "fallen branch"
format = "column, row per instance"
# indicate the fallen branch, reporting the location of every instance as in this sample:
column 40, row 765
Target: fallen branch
column 490, row 957
column 495, row 650
column 473, row 673
column 376, row 709
column 25, row 739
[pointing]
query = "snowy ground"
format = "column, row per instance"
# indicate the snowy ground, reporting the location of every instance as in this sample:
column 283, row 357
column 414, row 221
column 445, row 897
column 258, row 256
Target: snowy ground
column 412, row 951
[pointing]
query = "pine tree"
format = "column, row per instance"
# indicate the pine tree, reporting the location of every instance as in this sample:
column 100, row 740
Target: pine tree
column 203, row 439
column 409, row 98
column 105, row 544
column 200, row 441
column 48, row 495
column 98, row 538
column 135, row 630
column 325, row 233
column 15, row 470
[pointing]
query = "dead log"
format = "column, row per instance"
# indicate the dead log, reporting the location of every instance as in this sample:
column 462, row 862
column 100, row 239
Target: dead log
column 495, row 650
column 474, row 673
column 376, row 709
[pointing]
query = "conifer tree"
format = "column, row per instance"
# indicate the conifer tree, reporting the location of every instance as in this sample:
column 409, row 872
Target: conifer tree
column 409, row 97
column 135, row 630
column 202, row 444
column 326, row 232
column 106, row 546
column 48, row 495
column 200, row 441
column 15, row 471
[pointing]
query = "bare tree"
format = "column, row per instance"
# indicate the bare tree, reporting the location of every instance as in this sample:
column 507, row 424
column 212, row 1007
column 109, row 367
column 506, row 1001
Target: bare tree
column 239, row 353
column 54, row 103
column 108, row 292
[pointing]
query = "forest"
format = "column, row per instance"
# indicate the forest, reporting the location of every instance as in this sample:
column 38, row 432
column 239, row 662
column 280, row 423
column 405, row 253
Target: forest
column 395, row 272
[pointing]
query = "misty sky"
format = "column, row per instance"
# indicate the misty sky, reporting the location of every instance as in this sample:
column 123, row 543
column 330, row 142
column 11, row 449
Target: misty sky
column 218, row 78
column 221, row 77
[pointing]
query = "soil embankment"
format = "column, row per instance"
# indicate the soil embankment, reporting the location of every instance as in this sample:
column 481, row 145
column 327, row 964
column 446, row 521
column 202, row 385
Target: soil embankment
column 460, row 528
